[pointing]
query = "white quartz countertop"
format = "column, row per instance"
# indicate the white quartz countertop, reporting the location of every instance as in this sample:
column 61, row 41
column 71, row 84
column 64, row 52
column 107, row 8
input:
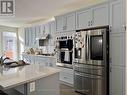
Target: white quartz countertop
column 13, row 77
column 39, row 55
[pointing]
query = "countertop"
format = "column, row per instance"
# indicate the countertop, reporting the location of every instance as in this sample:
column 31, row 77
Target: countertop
column 13, row 77
column 39, row 55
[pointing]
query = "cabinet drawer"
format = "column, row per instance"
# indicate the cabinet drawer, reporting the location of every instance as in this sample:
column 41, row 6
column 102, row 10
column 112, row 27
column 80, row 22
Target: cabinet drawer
column 66, row 70
column 66, row 77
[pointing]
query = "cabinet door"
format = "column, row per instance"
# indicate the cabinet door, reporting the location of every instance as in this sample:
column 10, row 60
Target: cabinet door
column 47, row 29
column 52, row 33
column 117, row 49
column 26, row 36
column 30, row 36
column 83, row 19
column 117, row 81
column 59, row 23
column 38, row 31
column 70, row 22
column 100, row 15
column 117, row 16
column 34, row 36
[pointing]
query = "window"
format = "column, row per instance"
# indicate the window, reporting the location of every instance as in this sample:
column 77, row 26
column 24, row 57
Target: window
column 10, row 44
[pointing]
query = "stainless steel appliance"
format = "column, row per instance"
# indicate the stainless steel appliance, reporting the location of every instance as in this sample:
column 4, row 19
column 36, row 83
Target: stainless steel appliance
column 91, row 61
column 64, row 46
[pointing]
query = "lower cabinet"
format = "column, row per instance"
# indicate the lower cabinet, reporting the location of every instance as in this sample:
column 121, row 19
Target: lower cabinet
column 38, row 59
column 117, row 80
column 28, row 58
column 46, row 61
column 66, row 75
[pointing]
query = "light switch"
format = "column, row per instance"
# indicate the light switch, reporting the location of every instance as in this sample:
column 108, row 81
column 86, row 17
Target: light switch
column 32, row 86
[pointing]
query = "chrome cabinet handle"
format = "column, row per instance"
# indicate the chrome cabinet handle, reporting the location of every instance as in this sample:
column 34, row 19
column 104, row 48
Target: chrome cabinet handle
column 91, row 22
column 124, row 27
column 88, row 23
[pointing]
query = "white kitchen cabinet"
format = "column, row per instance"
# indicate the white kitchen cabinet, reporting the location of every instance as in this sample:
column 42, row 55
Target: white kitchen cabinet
column 117, row 16
column 33, row 37
column 45, row 61
column 26, row 36
column 65, row 22
column 69, row 22
column 59, row 23
column 40, row 59
column 92, row 17
column 100, row 15
column 38, row 31
column 84, row 19
column 66, row 75
column 117, row 49
column 117, row 80
column 52, row 33
column 47, row 28
column 30, row 59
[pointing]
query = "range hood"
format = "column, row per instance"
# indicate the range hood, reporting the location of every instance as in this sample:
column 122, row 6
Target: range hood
column 44, row 36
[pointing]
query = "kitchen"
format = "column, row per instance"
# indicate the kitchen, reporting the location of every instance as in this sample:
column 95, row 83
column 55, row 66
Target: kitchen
column 93, row 35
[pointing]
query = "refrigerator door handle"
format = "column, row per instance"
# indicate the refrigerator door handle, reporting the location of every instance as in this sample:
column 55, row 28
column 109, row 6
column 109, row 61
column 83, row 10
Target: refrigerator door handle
column 86, row 47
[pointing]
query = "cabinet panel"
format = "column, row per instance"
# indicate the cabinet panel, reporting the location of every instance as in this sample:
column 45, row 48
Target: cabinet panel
column 52, row 33
column 65, row 22
column 83, row 19
column 59, row 23
column 68, row 78
column 117, row 81
column 38, row 32
column 46, row 27
column 117, row 49
column 26, row 37
column 100, row 15
column 70, row 22
column 117, row 16
column 66, row 75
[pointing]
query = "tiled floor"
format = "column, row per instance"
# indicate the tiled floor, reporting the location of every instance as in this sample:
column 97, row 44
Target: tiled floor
column 67, row 90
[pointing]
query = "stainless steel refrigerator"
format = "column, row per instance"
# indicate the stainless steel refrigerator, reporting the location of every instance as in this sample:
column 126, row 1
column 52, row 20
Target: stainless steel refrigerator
column 91, row 61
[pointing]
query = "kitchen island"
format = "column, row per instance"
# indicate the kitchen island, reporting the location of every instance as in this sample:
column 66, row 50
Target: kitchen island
column 32, row 79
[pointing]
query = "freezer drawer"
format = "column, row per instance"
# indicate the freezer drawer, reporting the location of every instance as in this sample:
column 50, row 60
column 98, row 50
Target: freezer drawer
column 83, row 85
column 89, row 84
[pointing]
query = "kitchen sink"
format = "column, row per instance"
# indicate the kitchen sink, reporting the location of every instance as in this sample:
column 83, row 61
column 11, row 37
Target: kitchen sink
column 13, row 64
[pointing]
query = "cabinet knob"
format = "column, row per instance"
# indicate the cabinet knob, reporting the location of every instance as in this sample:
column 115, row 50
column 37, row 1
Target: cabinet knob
column 110, row 69
column 124, row 27
column 88, row 23
column 91, row 22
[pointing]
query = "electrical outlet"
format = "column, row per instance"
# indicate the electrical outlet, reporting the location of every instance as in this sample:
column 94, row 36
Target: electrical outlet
column 32, row 86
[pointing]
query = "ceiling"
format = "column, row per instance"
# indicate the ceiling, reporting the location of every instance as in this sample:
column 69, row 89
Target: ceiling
column 33, row 11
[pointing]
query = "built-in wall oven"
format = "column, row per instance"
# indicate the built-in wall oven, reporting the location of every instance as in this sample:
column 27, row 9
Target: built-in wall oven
column 64, row 46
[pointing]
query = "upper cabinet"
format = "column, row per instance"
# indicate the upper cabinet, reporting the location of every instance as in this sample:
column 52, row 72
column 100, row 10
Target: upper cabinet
column 117, row 16
column 52, row 32
column 100, row 15
column 93, row 17
column 84, row 19
column 33, row 34
column 65, row 22
column 59, row 23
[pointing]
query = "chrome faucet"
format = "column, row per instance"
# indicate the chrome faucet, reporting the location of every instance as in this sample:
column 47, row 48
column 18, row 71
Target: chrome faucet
column 3, row 59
